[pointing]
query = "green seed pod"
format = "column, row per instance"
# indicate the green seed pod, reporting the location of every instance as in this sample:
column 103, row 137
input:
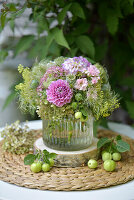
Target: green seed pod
column 74, row 105
column 78, row 97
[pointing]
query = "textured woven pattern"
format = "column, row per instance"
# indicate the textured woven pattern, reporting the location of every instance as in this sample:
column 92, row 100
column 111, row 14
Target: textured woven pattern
column 13, row 170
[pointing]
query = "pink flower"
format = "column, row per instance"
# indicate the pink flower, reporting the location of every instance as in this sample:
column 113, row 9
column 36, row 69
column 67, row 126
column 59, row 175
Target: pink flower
column 92, row 71
column 81, row 84
column 59, row 93
column 95, row 79
column 54, row 71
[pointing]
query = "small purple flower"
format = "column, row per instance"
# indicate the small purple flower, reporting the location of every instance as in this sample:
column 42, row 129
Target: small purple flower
column 59, row 93
column 81, row 84
column 75, row 64
column 52, row 72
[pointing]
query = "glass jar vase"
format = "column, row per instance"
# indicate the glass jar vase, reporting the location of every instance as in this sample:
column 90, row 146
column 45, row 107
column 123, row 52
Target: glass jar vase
column 68, row 134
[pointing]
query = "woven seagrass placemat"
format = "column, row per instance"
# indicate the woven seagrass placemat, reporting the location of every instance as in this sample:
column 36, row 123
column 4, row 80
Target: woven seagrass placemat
column 13, row 170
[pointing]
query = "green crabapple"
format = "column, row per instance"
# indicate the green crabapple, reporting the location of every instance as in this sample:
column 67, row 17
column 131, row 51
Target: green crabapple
column 104, row 151
column 116, row 156
column 51, row 162
column 78, row 115
column 106, row 156
column 109, row 165
column 36, row 167
column 46, row 167
column 92, row 164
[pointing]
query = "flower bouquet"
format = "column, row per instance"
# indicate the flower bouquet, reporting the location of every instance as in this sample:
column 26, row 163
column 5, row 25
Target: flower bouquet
column 68, row 94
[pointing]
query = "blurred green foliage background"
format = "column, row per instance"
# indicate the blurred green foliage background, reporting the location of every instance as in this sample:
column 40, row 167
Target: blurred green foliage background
column 101, row 30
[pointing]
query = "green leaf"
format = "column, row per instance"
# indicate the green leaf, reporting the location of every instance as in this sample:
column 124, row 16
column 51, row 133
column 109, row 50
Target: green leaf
column 81, row 28
column 63, row 12
column 131, row 2
column 46, row 156
column 127, row 7
column 102, row 142
column 73, row 52
column 12, row 25
column 19, row 12
column 84, row 112
column 9, row 99
column 59, row 38
column 24, row 43
column 90, row 60
column 48, row 42
column 112, row 21
column 77, row 10
column 130, row 107
column 54, row 49
column 29, row 159
column 42, row 24
column 37, row 48
column 11, row 7
column 45, row 152
column 52, row 155
column 101, row 51
column 86, row 45
column 122, row 146
column 113, row 148
column 3, row 19
column 3, row 55
column 118, row 137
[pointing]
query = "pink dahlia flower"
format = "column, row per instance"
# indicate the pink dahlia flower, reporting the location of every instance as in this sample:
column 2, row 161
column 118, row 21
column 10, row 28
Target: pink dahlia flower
column 75, row 64
column 92, row 71
column 52, row 72
column 59, row 93
column 81, row 84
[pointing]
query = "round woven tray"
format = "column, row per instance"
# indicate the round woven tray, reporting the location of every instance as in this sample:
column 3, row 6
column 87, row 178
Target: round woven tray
column 13, row 170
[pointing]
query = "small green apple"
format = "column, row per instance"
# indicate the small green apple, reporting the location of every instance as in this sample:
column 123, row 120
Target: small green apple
column 46, row 167
column 36, row 167
column 106, row 156
column 78, row 115
column 92, row 164
column 51, row 162
column 116, row 156
column 109, row 165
